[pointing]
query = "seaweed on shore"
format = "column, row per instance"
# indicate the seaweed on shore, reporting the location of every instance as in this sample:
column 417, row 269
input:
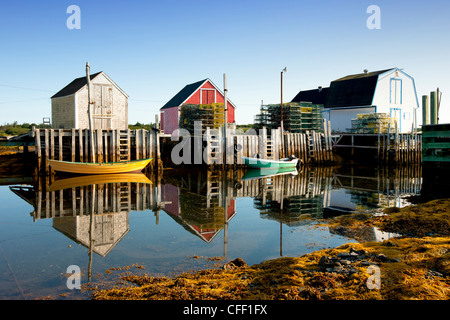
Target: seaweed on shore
column 413, row 266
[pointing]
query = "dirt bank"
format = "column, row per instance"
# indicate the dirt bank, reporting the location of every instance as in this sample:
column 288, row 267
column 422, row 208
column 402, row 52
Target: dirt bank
column 415, row 266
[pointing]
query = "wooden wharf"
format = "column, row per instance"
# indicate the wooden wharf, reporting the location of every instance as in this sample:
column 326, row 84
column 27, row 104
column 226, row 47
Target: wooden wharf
column 399, row 148
column 312, row 147
column 75, row 145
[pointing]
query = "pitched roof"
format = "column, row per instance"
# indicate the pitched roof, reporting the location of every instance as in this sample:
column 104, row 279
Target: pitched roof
column 184, row 93
column 74, row 86
column 315, row 96
column 353, row 90
column 364, row 75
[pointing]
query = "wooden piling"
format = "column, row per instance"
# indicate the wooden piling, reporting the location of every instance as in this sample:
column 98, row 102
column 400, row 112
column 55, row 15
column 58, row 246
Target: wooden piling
column 74, row 144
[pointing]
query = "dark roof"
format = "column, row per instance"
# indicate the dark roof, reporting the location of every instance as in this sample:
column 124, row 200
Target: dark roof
column 353, row 90
column 315, row 96
column 184, row 93
column 364, row 75
column 74, row 86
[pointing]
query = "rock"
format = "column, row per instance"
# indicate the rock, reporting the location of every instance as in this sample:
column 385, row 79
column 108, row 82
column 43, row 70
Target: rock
column 432, row 273
column 382, row 257
column 344, row 255
column 325, row 261
column 338, row 269
column 352, row 271
column 359, row 252
column 390, row 243
column 233, row 264
column 345, row 262
column 328, row 262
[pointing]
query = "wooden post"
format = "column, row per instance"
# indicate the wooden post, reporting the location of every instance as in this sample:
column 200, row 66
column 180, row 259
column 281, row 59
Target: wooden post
column 150, row 139
column 99, row 133
column 330, row 142
column 319, row 146
column 86, row 146
column 60, row 145
column 396, row 158
column 129, row 144
column 137, row 142
column 80, row 144
column 46, row 146
column 325, row 138
column 106, row 148
column 112, row 146
column 144, row 144
column 157, row 148
column 275, row 144
column 91, row 132
column 117, row 145
column 52, row 144
column 379, row 142
column 387, row 145
column 38, row 149
column 72, row 146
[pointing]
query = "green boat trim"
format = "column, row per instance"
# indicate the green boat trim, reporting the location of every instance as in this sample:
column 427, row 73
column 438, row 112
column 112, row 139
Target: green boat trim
column 267, row 163
column 257, row 173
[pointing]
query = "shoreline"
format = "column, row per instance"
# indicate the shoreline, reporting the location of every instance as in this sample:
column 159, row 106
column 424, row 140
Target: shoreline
column 415, row 265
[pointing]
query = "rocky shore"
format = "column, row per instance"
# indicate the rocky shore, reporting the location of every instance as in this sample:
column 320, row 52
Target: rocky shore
column 415, row 265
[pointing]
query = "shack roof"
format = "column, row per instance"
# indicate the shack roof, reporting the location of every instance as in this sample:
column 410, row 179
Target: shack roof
column 79, row 83
column 315, row 96
column 349, row 91
column 353, row 90
column 184, row 94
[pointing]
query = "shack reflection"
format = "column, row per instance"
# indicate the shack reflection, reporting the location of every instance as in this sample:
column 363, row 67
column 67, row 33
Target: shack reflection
column 94, row 210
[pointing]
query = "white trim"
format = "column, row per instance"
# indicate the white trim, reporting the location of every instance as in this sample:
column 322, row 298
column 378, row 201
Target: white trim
column 221, row 93
column 207, row 89
column 113, row 83
column 200, row 87
column 193, row 92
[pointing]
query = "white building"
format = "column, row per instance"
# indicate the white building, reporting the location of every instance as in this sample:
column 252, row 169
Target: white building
column 390, row 91
column 109, row 104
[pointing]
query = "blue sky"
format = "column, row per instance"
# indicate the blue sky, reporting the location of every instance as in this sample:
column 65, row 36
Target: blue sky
column 152, row 49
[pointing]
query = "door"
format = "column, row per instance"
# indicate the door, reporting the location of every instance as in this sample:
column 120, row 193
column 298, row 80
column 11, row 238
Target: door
column 396, row 113
column 102, row 107
column 208, row 96
column 396, row 91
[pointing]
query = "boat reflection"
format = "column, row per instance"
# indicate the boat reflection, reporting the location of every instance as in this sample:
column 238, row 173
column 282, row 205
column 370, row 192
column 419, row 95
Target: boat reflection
column 94, row 210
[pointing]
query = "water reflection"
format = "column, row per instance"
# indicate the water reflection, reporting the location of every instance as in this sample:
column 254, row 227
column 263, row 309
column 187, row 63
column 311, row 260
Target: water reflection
column 94, row 210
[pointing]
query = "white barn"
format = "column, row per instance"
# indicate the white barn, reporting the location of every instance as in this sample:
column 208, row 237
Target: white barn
column 390, row 91
column 109, row 108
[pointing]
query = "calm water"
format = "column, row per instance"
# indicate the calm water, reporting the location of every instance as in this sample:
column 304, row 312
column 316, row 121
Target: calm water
column 46, row 226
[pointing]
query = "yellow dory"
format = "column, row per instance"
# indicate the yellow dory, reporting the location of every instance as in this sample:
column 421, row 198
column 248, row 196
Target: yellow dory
column 99, row 168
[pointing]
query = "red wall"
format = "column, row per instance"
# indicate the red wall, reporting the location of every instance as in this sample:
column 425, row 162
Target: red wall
column 169, row 193
column 169, row 119
column 170, row 122
column 195, row 99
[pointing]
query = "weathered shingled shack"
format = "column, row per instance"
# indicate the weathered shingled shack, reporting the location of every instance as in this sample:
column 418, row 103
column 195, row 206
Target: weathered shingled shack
column 109, row 108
